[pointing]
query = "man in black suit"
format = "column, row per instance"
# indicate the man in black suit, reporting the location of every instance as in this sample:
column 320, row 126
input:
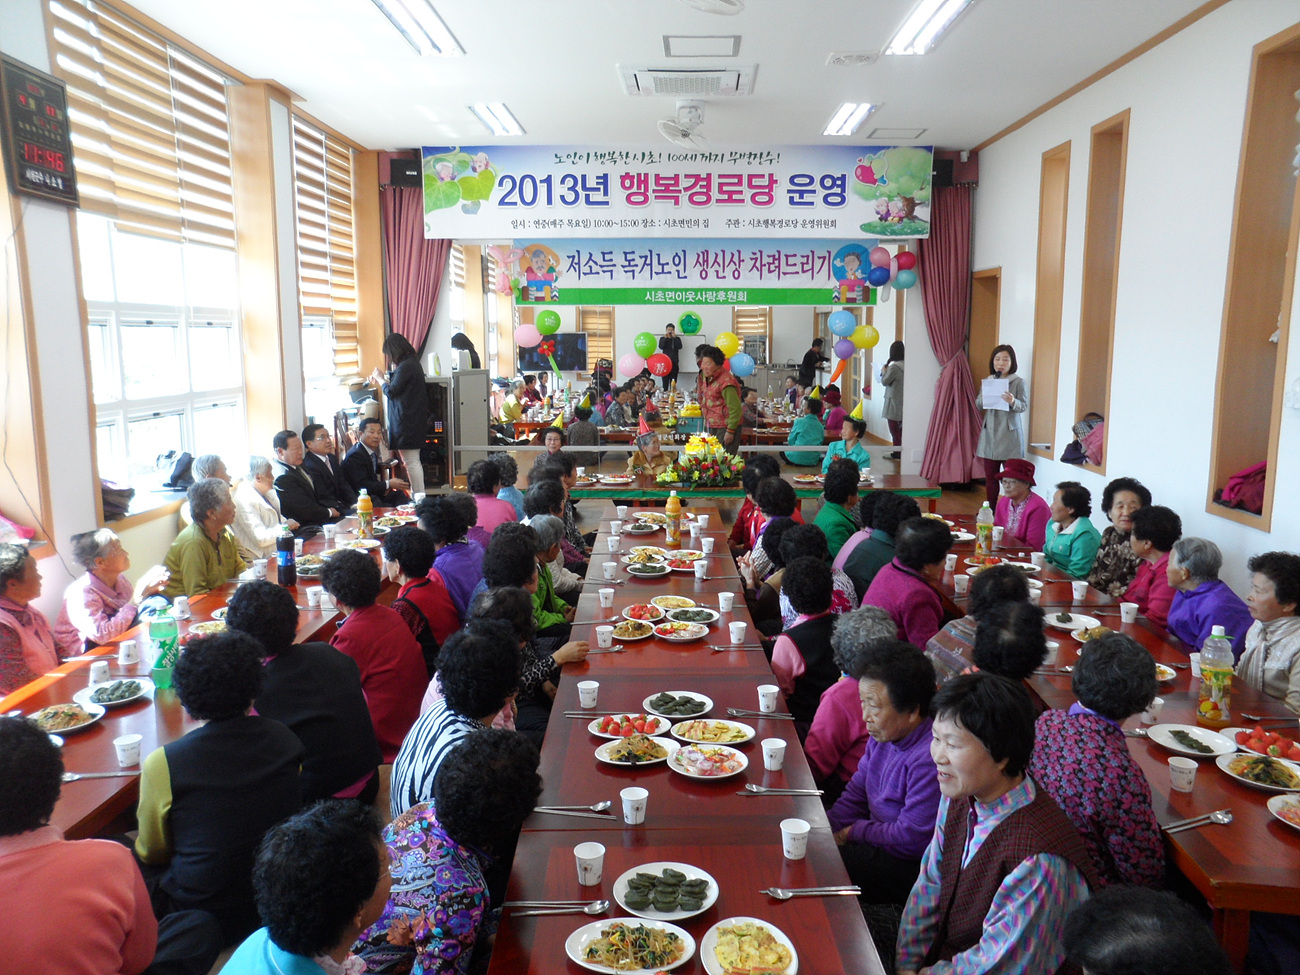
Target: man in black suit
column 298, row 498
column 362, row 470
column 325, row 469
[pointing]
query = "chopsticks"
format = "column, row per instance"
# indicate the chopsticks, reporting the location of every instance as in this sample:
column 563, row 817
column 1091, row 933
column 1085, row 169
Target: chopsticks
column 746, row 713
column 608, row 817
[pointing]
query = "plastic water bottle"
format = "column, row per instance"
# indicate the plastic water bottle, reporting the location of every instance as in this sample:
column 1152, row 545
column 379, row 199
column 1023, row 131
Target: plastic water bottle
column 673, row 512
column 1215, row 705
column 984, row 530
column 365, row 515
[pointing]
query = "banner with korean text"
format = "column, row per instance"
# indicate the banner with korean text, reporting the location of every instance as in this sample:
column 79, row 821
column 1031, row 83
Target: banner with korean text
column 847, row 192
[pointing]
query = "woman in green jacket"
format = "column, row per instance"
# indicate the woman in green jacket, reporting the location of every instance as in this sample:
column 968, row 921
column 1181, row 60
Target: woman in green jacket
column 1072, row 540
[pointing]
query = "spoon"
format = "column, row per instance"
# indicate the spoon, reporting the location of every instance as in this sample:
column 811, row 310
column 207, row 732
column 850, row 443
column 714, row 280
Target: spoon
column 764, row 790
column 1136, row 733
column 1220, row 816
column 595, row 807
column 782, row 894
column 1265, row 717
column 595, row 907
column 75, row 776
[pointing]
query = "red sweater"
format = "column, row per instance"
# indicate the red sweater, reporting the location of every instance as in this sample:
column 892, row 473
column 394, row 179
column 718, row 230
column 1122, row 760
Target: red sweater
column 430, row 596
column 1150, row 589
column 393, row 675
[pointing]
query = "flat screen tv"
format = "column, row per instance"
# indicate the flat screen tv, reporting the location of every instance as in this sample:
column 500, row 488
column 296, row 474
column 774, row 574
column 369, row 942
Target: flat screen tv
column 570, row 353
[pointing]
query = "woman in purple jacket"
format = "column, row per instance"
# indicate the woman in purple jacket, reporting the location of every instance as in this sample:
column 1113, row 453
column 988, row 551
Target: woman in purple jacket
column 1203, row 601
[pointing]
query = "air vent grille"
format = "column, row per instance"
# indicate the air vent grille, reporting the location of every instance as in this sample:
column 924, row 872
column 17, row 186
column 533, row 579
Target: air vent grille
column 851, row 59
column 688, row 82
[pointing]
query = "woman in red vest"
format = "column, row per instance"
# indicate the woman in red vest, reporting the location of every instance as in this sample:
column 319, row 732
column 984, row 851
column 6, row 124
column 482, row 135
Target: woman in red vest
column 720, row 399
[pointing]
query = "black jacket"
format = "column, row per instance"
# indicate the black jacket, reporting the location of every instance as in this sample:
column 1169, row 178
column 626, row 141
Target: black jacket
column 812, row 360
column 298, row 498
column 332, row 487
column 359, row 470
column 408, row 406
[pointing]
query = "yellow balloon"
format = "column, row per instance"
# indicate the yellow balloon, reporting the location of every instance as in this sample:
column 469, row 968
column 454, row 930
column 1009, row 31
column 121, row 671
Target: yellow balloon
column 865, row 336
column 728, row 343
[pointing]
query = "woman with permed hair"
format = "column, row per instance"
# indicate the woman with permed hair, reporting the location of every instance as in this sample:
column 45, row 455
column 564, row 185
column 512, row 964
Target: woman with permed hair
column 102, row 604
column 1271, row 662
column 459, row 560
column 1072, row 539
column 951, row 650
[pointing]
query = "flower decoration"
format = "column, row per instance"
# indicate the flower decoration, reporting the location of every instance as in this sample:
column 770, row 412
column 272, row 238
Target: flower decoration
column 704, row 463
column 547, row 348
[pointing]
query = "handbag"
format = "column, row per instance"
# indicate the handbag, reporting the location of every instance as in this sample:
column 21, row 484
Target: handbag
column 1075, row 451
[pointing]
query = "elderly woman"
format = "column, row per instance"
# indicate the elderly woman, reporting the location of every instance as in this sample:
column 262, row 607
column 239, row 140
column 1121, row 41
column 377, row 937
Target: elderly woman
column 1202, row 601
column 1153, row 533
column 1022, row 513
column 906, row 587
column 484, row 481
column 835, row 411
column 548, row 498
column 890, row 511
column 1035, row 868
column 1082, row 760
column 28, row 646
column 839, row 501
column 1115, row 564
column 552, row 613
column 885, row 817
column 553, row 439
column 205, row 555
column 775, row 498
column 257, row 512
column 849, row 445
column 101, row 605
column 422, row 601
column 512, row 408
column 806, row 430
column 649, row 457
column 809, row 540
column 1271, row 662
column 458, row 560
column 802, row 660
column 951, row 650
column 1072, row 540
column 508, row 472
column 1009, row 640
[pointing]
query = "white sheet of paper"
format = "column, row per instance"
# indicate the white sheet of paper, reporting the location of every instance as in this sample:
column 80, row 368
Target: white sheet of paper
column 991, row 394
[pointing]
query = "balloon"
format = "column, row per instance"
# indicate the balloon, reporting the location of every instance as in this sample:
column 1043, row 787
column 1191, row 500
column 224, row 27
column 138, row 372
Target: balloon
column 879, row 257
column 660, row 364
column 906, row 260
column 631, row 365
column 882, row 294
column 842, row 322
column 905, row 280
column 893, row 268
column 690, row 323
column 728, row 343
column 645, row 344
column 527, row 336
column 548, row 321
column 742, row 365
column 878, row 276
column 845, row 348
column 839, row 368
column 866, row 337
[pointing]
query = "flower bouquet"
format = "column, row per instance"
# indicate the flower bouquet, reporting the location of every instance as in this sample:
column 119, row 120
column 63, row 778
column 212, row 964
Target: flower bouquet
column 703, row 464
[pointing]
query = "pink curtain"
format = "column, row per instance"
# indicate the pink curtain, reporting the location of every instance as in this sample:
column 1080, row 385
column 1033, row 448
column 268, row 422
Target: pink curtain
column 413, row 266
column 943, row 265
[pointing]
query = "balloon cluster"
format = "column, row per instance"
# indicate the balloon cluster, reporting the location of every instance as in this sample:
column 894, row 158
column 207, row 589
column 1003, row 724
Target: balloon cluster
column 530, row 336
column 886, row 272
column 740, row 363
column 891, row 272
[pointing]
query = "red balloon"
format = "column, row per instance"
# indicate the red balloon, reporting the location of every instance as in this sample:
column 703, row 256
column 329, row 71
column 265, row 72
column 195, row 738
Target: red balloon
column 906, row 260
column 660, row 364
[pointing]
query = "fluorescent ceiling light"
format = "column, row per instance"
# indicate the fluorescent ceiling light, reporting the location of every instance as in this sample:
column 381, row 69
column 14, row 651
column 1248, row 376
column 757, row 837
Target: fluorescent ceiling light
column 921, row 31
column 497, row 118
column 847, row 118
column 420, row 24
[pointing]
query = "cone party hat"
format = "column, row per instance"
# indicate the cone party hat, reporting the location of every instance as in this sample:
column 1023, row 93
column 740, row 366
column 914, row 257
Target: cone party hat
column 816, row 393
column 857, row 411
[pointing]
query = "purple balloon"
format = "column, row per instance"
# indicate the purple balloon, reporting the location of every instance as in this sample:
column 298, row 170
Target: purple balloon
column 845, row 348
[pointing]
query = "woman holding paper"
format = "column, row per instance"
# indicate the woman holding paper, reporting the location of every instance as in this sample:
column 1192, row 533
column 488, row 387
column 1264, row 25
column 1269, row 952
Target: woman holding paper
column 1002, row 396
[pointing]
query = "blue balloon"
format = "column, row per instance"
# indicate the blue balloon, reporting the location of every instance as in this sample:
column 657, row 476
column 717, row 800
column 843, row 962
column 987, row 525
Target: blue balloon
column 742, row 365
column 878, row 277
column 842, row 323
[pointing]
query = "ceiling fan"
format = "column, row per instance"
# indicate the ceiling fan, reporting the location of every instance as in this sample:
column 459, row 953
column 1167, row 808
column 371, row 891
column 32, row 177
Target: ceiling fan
column 683, row 129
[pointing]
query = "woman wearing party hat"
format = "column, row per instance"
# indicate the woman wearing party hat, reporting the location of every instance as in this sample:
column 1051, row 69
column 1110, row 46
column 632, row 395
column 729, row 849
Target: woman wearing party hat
column 648, row 457
column 850, row 443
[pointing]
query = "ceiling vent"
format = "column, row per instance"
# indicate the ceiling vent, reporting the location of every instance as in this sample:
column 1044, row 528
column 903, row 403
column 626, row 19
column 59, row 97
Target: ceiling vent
column 725, row 8
column 851, row 59
column 689, row 82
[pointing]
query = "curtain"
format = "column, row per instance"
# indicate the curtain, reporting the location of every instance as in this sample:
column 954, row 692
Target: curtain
column 943, row 265
column 413, row 267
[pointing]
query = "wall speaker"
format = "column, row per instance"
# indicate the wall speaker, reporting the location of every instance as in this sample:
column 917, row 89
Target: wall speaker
column 406, row 172
column 942, row 173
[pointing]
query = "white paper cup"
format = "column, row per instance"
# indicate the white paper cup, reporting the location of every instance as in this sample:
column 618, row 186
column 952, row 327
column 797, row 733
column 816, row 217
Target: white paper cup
column 99, row 672
column 329, row 530
column 701, row 569
column 961, row 583
column 259, row 568
column 1195, row 659
column 608, row 569
column 128, row 652
column 1128, row 612
column 615, row 527
column 581, row 471
column 313, row 596
column 1052, row 646
column 703, row 522
column 419, row 496
column 1152, row 714
column 327, row 604
column 767, row 697
column 737, row 629
column 949, row 563
column 604, row 640
column 725, row 601
column 1079, row 590
column 606, row 598
column 128, row 750
column 1037, row 558
column 297, row 548
column 181, row 607
column 622, row 510
column 773, row 754
column 613, row 542
column 591, row 861
column 1182, row 773
column 634, row 803
column 998, row 531
column 587, row 688
column 794, row 838
column 694, row 529
column 706, row 544
column 1034, row 596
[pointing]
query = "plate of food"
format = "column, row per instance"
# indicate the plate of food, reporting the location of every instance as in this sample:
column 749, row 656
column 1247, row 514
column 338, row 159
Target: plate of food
column 1287, row 809
column 681, row 565
column 651, row 550
column 701, row 761
column 1093, row 633
column 961, row 536
column 677, row 704
column 362, row 544
column 713, row 732
column 643, row 611
column 587, row 479
column 395, row 521
column 1034, row 583
column 673, row 602
column 627, row 725
column 308, row 565
column 115, row 693
column 641, row 528
column 616, row 479
column 1191, row 740
column 407, row 508
column 1263, row 742
column 681, row 632
column 67, row 718
column 1070, row 621
column 1257, row 771
column 642, row 558
column 747, row 944
column 937, row 517
column 219, row 613
column 665, row 890
column 630, row 946
column 636, row 750
column 805, row 478
column 695, row 614
column 1164, row 673
column 685, row 555
column 633, row 630
column 984, row 561
column 1026, row 567
column 206, row 629
column 649, row 570
column 657, row 518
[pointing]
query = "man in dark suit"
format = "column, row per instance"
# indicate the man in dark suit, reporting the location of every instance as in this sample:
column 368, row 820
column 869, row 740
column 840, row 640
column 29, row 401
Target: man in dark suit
column 362, row 471
column 325, row 469
column 298, row 498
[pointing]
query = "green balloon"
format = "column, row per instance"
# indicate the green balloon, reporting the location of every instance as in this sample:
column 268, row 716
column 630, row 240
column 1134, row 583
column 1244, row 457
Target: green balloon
column 690, row 323
column 548, row 321
column 645, row 345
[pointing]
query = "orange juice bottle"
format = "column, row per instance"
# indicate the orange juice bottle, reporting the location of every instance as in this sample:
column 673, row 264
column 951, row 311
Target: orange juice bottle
column 365, row 515
column 673, row 512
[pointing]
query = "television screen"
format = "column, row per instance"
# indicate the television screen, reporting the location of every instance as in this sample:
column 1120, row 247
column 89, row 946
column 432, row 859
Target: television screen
column 570, row 354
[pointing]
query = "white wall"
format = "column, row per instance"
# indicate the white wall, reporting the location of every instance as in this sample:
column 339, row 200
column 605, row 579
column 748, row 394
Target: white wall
column 1187, row 99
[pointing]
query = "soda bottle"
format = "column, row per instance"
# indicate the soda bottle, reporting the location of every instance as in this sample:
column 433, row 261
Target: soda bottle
column 163, row 639
column 286, row 566
column 365, row 515
column 984, row 530
column 1216, row 681
column 673, row 511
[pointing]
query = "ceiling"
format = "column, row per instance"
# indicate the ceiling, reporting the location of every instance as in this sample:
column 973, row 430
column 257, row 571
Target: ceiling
column 553, row 62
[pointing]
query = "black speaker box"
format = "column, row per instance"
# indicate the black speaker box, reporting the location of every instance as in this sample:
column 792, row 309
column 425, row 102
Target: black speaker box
column 406, row 172
column 942, row 173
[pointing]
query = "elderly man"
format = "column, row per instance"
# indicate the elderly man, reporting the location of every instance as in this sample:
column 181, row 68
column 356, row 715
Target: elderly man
column 257, row 512
column 205, row 555
column 325, row 469
column 362, row 467
column 297, row 491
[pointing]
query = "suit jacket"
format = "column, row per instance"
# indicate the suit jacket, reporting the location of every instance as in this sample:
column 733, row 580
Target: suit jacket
column 331, row 486
column 359, row 471
column 298, row 498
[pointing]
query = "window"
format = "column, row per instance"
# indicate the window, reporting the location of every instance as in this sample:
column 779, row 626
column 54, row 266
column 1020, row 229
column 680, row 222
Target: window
column 598, row 325
column 753, row 326
column 1053, row 195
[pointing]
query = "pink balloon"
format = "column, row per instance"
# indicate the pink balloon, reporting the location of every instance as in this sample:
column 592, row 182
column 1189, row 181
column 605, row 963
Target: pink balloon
column 631, row 365
column 527, row 336
column 906, row 260
column 893, row 268
column 879, row 257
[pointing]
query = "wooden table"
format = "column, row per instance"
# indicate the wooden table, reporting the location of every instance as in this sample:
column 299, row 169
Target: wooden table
column 644, row 487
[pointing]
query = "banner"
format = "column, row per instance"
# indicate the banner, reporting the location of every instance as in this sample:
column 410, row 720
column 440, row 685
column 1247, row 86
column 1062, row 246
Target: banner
column 849, row 192
column 699, row 272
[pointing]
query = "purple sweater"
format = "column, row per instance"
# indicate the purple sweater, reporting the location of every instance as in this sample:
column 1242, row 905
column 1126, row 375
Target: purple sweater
column 892, row 800
column 461, row 566
column 909, row 599
column 1193, row 614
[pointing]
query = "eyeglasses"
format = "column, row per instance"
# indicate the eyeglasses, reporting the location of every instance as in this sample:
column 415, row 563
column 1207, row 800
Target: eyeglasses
column 320, row 436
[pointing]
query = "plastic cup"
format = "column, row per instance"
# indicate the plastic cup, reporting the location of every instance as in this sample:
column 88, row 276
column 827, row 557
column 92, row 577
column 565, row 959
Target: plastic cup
column 615, row 527
column 773, row 754
column 313, row 596
column 606, row 598
column 634, row 803
column 725, row 601
column 1079, row 589
column 1037, row 558
column 327, row 604
column 604, row 640
column 587, row 689
column 706, row 544
column 580, row 471
column 1182, row 773
column 1195, row 659
column 961, row 583
column 949, row 563
column 614, row 542
column 1128, row 612
column 622, row 511
column 128, row 652
column 297, row 548
column 99, row 672
column 1152, row 714
column 591, row 861
column 794, row 838
column 128, row 750
column 767, row 697
column 608, row 568
column 701, row 568
column 259, row 568
column 181, row 607
column 329, row 530
column 1034, row 596
column 998, row 531
column 703, row 522
column 737, row 630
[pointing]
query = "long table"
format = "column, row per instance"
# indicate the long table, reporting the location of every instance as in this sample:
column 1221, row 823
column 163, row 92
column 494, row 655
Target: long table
column 644, row 487
column 735, row 838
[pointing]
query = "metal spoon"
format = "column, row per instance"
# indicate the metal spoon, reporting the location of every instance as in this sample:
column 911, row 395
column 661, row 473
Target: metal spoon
column 764, row 790
column 595, row 907
column 595, row 807
column 74, row 776
column 782, row 894
column 1136, row 733
column 1265, row 717
column 1221, row 816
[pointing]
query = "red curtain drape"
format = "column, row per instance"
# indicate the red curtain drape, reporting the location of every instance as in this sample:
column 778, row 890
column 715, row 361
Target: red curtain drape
column 943, row 265
column 413, row 266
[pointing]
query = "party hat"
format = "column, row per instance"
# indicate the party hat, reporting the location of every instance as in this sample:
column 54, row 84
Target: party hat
column 816, row 393
column 558, row 423
column 857, row 411
column 586, row 402
column 643, row 428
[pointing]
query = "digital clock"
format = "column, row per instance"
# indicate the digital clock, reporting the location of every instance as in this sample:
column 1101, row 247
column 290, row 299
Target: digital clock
column 37, row 145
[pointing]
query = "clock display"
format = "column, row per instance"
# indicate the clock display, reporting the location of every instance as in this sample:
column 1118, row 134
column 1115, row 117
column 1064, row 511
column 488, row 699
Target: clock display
column 37, row 146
